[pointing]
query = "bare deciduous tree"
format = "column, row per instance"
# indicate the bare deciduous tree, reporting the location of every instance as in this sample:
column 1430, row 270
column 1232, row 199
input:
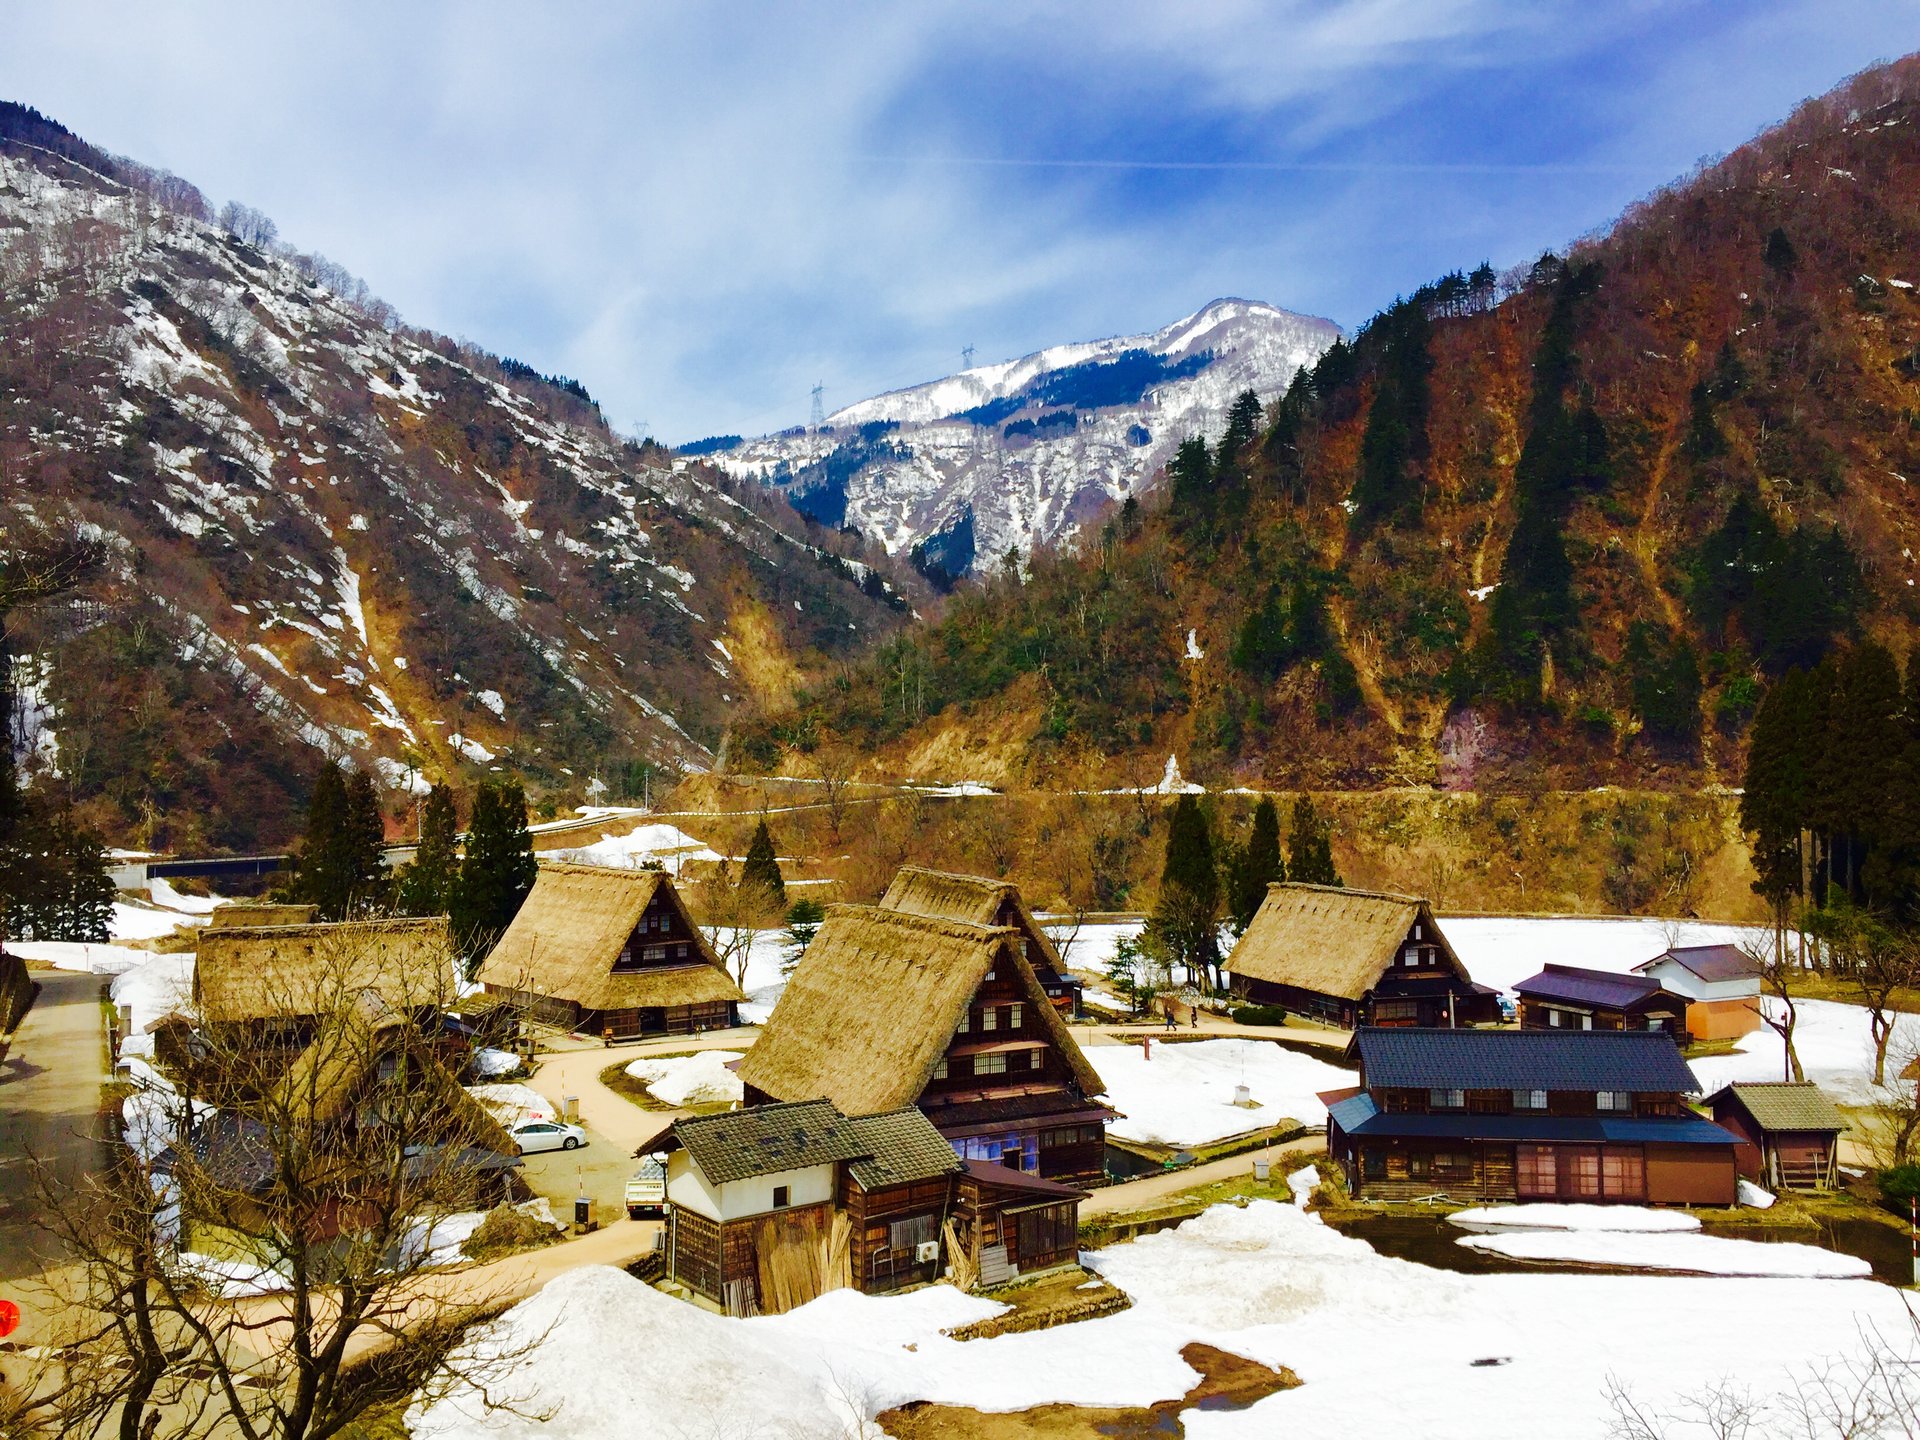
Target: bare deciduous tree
column 266, row 1269
column 833, row 767
column 1775, row 967
column 731, row 909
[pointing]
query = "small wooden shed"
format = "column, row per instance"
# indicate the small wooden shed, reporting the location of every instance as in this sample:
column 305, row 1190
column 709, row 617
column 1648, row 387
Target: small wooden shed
column 1789, row 1133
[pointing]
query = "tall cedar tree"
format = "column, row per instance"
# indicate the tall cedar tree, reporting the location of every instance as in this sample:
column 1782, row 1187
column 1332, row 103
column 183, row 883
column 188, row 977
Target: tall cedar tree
column 498, row 870
column 1664, row 679
column 1310, row 847
column 1774, row 798
column 1390, row 484
column 1255, row 866
column 340, row 869
column 58, row 875
column 761, row 868
column 426, row 886
column 1187, row 910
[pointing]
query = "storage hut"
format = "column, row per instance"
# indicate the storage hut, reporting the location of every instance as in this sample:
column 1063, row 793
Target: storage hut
column 770, row 1206
column 1353, row 958
column 994, row 903
column 1573, row 1115
column 611, row 953
column 281, row 978
column 1720, row 983
column 888, row 1009
column 1568, row 997
column 1789, row 1132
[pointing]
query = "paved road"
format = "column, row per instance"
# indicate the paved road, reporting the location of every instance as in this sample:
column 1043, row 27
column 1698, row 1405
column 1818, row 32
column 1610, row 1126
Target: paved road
column 49, row 1099
column 1150, row 1190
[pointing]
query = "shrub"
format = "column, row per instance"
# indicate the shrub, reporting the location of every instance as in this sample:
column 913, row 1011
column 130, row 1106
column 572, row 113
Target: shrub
column 1259, row 1015
column 1900, row 1184
column 504, row 1231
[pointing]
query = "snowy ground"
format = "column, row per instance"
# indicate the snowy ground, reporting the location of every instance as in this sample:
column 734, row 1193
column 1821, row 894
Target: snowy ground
column 87, row 958
column 700, row 1079
column 1267, row 1281
column 668, row 844
column 510, row 1104
column 1637, row 1219
column 158, row 985
column 1696, row 1254
column 1183, row 1094
column 764, row 980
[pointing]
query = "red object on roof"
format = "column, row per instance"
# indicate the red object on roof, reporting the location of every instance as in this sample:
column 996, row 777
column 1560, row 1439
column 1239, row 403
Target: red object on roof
column 9, row 1318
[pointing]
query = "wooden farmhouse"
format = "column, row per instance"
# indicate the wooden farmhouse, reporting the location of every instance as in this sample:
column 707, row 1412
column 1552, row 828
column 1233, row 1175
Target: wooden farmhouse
column 889, row 1009
column 1568, row 997
column 279, row 981
column 993, row 903
column 1574, row 1115
column 1355, row 957
column 770, row 1206
column 1720, row 983
column 611, row 953
column 1789, row 1133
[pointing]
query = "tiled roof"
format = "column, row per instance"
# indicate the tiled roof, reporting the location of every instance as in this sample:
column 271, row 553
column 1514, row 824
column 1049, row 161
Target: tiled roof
column 1709, row 962
column 1786, row 1105
column 898, row 1147
column 1357, row 1115
column 767, row 1139
column 1634, row 1060
column 1588, row 987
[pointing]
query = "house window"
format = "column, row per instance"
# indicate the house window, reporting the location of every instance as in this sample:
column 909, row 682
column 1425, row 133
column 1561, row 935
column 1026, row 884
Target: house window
column 782, row 1197
column 940, row 1068
column 1554, row 1019
column 988, row 1016
column 1614, row 1100
column 966, row 1020
column 1529, row 1099
column 1373, row 1164
column 995, row 1064
column 1416, row 930
column 1013, row 1017
column 1036, row 1059
column 1446, row 1099
column 1411, row 956
column 911, row 1232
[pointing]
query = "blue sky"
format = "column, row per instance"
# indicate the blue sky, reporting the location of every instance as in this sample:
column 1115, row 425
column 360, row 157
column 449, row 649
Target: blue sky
column 700, row 211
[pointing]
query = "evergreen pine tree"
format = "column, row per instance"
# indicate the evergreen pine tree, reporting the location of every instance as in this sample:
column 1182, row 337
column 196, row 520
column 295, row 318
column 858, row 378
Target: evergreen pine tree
column 804, row 918
column 426, row 886
column 498, row 869
column 1190, row 474
column 1310, row 847
column 1186, row 913
column 1256, row 866
column 324, row 872
column 1774, row 792
column 364, row 846
column 761, row 867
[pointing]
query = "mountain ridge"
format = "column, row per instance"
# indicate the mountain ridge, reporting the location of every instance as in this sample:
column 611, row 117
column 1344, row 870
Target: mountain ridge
column 1027, row 451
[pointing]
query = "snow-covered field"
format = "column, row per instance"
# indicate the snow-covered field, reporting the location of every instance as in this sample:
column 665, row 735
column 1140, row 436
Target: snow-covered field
column 1384, row 1346
column 701, row 1079
column 158, row 985
column 1695, row 1254
column 1502, row 951
column 1635, row 1219
column 668, row 844
column 1183, row 1094
column 764, row 980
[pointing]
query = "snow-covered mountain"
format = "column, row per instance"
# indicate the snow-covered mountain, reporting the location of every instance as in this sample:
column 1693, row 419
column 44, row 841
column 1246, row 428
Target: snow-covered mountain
column 327, row 534
column 1026, row 451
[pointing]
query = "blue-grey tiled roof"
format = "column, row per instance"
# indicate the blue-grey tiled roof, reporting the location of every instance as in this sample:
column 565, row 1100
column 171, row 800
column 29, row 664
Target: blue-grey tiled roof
column 1635, row 1060
column 1588, row 987
column 1359, row 1117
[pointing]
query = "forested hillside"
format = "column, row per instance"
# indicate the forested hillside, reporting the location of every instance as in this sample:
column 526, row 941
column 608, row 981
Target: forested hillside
column 323, row 533
column 1563, row 526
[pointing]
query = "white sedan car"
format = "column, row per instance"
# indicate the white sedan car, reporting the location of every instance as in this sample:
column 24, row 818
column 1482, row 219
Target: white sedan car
column 532, row 1135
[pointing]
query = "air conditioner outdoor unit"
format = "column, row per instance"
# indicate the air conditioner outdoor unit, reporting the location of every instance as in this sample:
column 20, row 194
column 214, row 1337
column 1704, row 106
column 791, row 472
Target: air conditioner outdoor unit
column 926, row 1250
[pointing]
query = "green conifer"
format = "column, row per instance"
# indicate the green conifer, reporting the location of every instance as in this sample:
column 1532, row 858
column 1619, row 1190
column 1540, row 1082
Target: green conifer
column 426, row 886
column 498, row 869
column 761, row 867
column 1256, row 866
column 1310, row 847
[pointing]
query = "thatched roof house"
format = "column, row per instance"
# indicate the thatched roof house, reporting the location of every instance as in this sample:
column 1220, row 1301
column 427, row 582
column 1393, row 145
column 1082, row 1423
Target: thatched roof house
column 889, row 1008
column 247, row 914
column 977, row 900
column 1355, row 957
column 610, row 951
column 249, row 974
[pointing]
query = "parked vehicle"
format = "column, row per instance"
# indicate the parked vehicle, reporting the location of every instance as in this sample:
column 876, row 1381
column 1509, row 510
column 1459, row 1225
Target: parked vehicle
column 647, row 1188
column 535, row 1135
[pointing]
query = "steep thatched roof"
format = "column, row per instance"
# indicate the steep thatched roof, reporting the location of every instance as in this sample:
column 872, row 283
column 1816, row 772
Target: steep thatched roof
column 297, row 971
column 1330, row 940
column 570, row 931
column 874, row 1003
column 341, row 1064
column 971, row 898
column 245, row 914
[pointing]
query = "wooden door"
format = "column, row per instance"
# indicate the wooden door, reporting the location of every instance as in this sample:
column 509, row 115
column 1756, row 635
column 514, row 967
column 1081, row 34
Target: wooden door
column 1579, row 1167
column 1535, row 1174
